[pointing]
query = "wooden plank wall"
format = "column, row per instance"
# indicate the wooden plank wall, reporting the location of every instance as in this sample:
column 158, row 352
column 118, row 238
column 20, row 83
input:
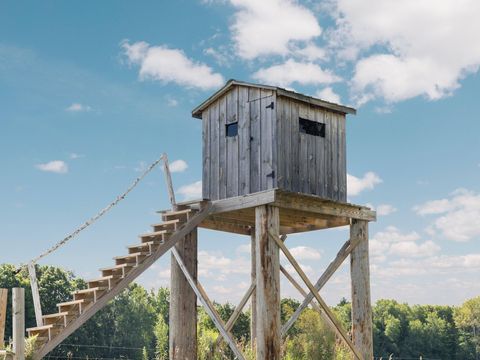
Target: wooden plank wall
column 311, row 164
column 269, row 150
column 243, row 164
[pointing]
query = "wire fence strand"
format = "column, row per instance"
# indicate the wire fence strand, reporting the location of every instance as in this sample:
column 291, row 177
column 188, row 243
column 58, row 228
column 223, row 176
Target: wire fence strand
column 100, row 214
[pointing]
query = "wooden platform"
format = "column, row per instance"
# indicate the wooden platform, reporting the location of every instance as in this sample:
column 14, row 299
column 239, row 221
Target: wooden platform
column 298, row 212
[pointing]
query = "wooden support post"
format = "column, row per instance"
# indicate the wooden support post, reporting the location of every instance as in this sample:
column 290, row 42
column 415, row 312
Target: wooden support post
column 253, row 302
column 360, row 277
column 168, row 179
column 183, row 302
column 3, row 315
column 268, row 283
column 35, row 293
column 18, row 315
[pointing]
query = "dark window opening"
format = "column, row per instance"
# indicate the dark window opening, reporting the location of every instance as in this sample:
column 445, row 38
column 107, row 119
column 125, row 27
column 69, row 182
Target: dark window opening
column 232, row 129
column 311, row 127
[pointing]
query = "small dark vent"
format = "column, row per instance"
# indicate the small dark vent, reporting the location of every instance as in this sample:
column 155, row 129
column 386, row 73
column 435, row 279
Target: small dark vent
column 232, row 129
column 311, row 127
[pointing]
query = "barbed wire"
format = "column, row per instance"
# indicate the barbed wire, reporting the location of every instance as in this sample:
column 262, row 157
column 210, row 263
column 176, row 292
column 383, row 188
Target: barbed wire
column 100, row 214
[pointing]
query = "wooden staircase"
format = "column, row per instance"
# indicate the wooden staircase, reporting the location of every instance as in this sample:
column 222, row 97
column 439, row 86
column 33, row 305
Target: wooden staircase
column 85, row 303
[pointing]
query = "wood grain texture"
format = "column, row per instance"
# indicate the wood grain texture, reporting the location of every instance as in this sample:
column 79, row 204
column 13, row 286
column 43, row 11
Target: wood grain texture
column 183, row 301
column 18, row 310
column 244, row 141
column 269, row 150
column 35, row 293
column 361, row 302
column 253, row 302
column 268, row 283
column 3, row 315
column 206, row 135
column 255, row 138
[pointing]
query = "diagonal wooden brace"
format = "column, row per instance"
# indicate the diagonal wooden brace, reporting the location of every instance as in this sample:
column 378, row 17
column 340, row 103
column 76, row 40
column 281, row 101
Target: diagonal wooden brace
column 238, row 310
column 343, row 253
column 209, row 308
column 329, row 314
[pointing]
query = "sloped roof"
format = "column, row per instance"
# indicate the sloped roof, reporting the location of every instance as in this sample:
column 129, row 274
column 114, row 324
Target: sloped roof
column 197, row 112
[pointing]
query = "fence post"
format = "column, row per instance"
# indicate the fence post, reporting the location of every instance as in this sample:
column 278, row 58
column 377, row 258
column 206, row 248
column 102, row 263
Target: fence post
column 18, row 300
column 3, row 315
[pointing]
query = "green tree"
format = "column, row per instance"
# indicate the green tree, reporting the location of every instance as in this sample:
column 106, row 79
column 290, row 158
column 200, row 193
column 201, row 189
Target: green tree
column 161, row 337
column 467, row 320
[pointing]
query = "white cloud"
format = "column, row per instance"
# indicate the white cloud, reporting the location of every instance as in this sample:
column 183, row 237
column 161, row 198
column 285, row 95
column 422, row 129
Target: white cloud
column 357, row 185
column 55, row 166
column 75, row 156
column 310, row 52
column 383, row 209
column 413, row 59
column 221, row 55
column 172, row 102
column 412, row 249
column 458, row 215
column 305, row 253
column 178, row 166
column 271, row 27
column 191, row 191
column 216, row 265
column 77, row 107
column 328, row 94
column 393, row 242
column 304, row 73
column 244, row 248
column 170, row 65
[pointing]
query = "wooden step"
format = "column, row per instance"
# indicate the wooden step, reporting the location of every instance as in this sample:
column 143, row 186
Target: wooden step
column 133, row 258
column 149, row 246
column 89, row 294
column 51, row 319
column 42, row 330
column 167, row 225
column 71, row 306
column 106, row 281
column 180, row 214
column 121, row 269
column 161, row 235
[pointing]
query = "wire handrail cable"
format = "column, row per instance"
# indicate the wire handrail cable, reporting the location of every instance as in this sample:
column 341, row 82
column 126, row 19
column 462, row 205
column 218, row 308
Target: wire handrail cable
column 101, row 213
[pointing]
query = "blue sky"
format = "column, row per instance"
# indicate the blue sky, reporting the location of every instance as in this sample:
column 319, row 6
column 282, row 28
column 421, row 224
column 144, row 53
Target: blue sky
column 91, row 93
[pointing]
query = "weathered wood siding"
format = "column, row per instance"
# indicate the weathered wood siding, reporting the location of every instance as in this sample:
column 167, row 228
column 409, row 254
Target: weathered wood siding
column 241, row 164
column 269, row 150
column 311, row 164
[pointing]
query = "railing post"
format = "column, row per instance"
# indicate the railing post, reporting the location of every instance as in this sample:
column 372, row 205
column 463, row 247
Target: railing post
column 35, row 293
column 18, row 301
column 168, row 179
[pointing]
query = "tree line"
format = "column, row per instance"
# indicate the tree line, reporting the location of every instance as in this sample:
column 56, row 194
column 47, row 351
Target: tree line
column 135, row 325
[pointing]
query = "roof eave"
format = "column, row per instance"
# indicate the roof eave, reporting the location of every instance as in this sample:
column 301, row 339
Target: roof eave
column 197, row 112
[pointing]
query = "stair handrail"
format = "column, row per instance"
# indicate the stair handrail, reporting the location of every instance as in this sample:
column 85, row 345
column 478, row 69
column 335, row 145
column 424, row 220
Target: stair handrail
column 31, row 263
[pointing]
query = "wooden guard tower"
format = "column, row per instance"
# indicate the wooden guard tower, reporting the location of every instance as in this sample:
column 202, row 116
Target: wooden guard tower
column 274, row 163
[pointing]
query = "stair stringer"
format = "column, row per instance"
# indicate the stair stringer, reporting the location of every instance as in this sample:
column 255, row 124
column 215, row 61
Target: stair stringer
column 132, row 275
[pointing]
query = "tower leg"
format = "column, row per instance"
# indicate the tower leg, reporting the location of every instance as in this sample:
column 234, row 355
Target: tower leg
column 268, row 283
column 360, row 277
column 183, row 302
column 253, row 301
